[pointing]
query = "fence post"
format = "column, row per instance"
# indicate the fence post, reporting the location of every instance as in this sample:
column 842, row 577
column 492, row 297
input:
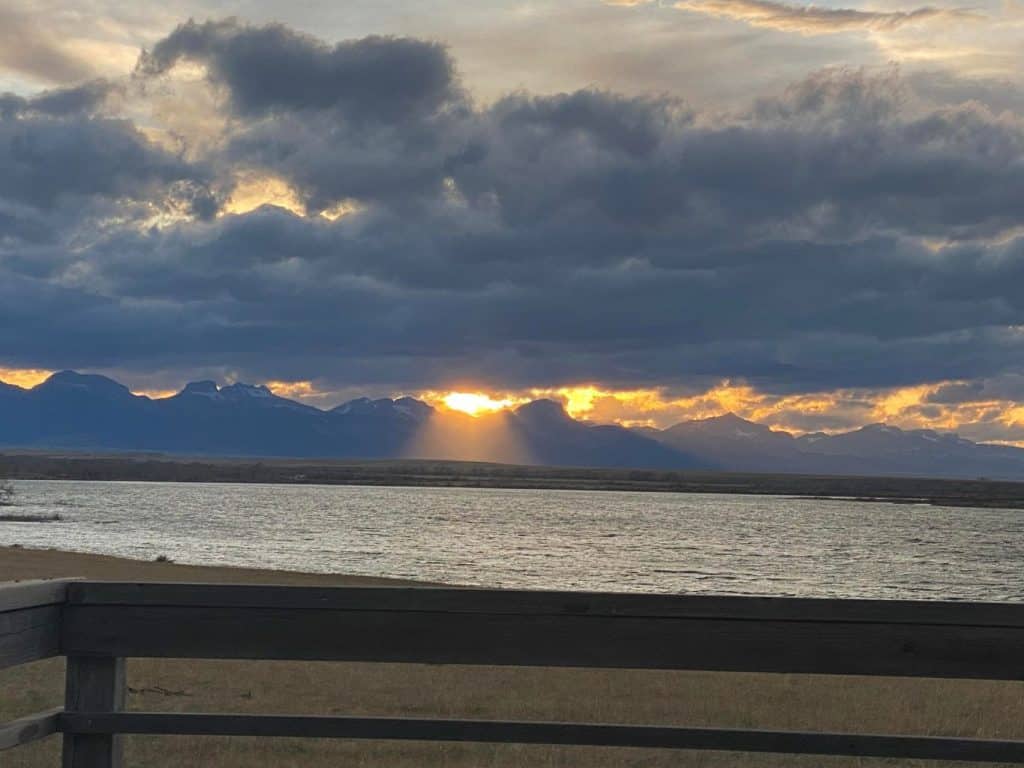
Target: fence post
column 94, row 684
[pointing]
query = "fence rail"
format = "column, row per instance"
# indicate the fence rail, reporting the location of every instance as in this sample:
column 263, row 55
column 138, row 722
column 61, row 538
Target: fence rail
column 99, row 624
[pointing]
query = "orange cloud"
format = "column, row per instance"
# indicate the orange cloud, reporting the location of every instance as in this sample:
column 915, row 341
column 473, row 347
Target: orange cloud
column 809, row 19
column 471, row 401
column 156, row 394
column 24, row 377
column 986, row 419
column 906, row 407
column 475, row 403
column 254, row 190
column 294, row 389
column 312, row 393
column 651, row 406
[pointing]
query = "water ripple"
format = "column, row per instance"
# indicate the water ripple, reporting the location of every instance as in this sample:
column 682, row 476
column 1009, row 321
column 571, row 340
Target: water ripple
column 616, row 541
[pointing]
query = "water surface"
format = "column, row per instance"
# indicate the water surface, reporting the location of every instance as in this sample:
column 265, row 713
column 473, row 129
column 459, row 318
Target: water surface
column 544, row 539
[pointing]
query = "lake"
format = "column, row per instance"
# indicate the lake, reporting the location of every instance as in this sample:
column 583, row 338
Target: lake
column 543, row 539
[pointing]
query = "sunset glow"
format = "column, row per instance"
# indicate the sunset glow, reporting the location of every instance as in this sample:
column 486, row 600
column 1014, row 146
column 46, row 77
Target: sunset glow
column 364, row 204
column 986, row 416
column 476, row 403
column 294, row 390
column 24, row 377
column 253, row 191
column 987, row 419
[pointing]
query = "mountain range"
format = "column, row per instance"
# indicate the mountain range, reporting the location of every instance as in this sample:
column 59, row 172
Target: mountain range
column 94, row 413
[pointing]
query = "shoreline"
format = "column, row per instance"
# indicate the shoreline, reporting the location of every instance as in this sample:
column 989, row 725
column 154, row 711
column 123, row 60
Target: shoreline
column 416, row 473
column 19, row 563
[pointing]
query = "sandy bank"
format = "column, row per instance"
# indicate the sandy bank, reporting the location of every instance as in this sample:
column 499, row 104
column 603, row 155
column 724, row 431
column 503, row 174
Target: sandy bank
column 17, row 563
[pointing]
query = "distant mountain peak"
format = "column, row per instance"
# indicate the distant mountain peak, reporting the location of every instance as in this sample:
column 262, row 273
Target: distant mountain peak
column 240, row 389
column 241, row 395
column 407, row 407
column 731, row 419
column 727, row 425
column 69, row 381
column 543, row 409
column 74, row 378
column 728, row 416
column 205, row 388
column 882, row 427
column 360, row 405
column 413, row 408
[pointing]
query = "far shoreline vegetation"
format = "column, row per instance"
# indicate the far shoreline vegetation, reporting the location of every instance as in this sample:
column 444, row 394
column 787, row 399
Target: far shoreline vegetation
column 58, row 465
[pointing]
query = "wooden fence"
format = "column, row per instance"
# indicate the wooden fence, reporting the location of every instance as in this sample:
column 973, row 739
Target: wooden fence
column 99, row 624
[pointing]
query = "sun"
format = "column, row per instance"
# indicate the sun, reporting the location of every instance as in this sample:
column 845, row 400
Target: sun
column 474, row 403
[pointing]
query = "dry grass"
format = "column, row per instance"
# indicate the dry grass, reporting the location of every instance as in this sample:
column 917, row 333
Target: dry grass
column 969, row 708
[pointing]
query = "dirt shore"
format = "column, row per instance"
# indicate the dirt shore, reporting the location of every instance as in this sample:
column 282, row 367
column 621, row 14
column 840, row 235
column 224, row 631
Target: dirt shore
column 18, row 563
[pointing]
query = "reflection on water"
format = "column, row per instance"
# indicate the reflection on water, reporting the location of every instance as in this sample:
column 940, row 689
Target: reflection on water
column 616, row 541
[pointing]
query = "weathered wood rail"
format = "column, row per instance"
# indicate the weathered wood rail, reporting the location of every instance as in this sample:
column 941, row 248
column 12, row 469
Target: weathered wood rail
column 99, row 624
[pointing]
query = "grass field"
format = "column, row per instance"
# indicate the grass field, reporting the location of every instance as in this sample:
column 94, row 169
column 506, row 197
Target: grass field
column 969, row 708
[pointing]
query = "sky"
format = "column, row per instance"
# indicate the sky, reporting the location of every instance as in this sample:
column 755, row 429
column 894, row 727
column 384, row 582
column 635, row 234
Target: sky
column 808, row 215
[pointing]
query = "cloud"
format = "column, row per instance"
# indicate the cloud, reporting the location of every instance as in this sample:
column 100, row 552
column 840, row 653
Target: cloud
column 286, row 297
column 363, row 119
column 990, row 411
column 69, row 172
column 59, row 102
column 27, row 48
column 1007, row 387
column 649, row 161
column 840, row 235
column 940, row 87
column 815, row 20
column 85, row 98
column 273, row 68
column 25, row 378
column 48, row 159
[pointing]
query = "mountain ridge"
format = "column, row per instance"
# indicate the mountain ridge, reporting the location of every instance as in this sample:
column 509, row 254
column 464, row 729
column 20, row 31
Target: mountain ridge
column 93, row 412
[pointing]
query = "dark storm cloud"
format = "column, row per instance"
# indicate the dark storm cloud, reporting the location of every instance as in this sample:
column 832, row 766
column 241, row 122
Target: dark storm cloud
column 1005, row 387
column 833, row 158
column 958, row 392
column 273, row 285
column 44, row 161
column 274, row 68
column 838, row 235
column 64, row 164
column 380, row 118
column 634, row 126
column 60, row 102
column 827, row 161
column 84, row 98
column 330, row 159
